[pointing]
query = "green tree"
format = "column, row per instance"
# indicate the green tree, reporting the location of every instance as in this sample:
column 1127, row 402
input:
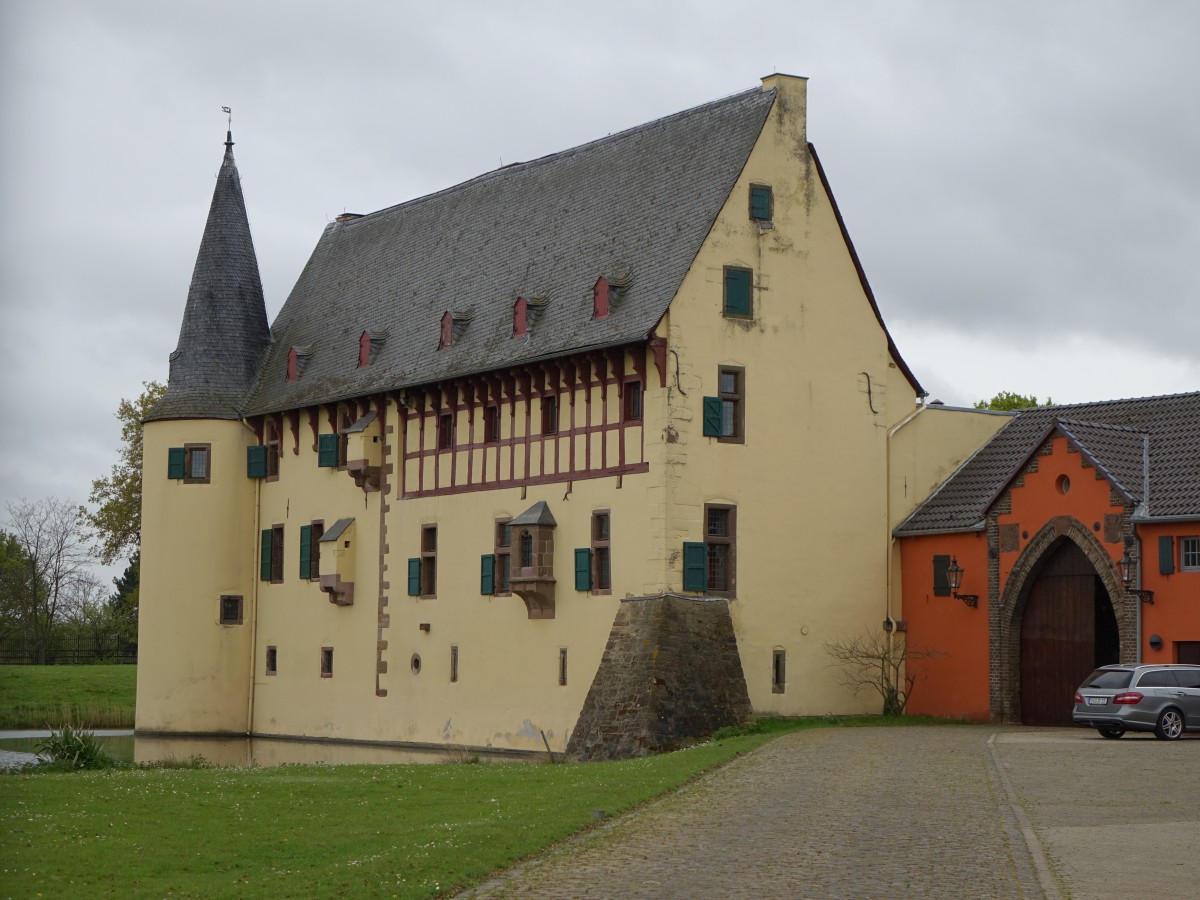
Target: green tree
column 14, row 573
column 117, row 518
column 1006, row 401
column 123, row 603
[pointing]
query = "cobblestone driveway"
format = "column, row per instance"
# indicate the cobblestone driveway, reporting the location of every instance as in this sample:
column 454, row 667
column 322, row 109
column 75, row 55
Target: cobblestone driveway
column 953, row 811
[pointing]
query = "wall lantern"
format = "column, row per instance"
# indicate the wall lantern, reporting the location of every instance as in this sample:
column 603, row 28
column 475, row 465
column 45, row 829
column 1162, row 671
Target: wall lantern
column 1128, row 569
column 954, row 574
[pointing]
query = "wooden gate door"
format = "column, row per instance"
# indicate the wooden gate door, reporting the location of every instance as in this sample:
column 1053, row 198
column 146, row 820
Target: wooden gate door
column 1058, row 637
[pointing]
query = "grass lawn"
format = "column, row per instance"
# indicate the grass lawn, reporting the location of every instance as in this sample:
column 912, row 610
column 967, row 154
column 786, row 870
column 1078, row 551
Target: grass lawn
column 315, row 831
column 87, row 696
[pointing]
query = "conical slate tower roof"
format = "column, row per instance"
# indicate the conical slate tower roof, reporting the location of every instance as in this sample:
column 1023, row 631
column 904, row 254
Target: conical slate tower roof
column 225, row 331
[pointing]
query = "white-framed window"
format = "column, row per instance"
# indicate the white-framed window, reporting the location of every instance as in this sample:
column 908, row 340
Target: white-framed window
column 1189, row 554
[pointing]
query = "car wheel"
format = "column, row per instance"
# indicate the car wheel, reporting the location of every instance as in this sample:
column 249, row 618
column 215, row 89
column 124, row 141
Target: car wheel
column 1170, row 725
column 1112, row 733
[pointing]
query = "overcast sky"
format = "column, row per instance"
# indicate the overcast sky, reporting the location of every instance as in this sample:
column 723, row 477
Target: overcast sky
column 1021, row 179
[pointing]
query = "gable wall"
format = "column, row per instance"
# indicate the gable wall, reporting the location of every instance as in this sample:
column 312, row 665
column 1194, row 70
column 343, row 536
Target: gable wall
column 809, row 481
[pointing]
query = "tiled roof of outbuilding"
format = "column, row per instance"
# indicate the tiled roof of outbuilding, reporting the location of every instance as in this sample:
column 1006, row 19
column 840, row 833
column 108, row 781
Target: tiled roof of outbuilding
column 224, row 331
column 636, row 205
column 1109, row 432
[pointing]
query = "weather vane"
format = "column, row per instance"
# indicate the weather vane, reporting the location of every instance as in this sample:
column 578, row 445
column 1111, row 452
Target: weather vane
column 228, row 112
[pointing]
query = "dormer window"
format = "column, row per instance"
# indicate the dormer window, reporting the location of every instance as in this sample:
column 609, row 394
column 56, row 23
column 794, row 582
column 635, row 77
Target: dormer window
column 369, row 345
column 520, row 317
column 454, row 325
column 606, row 293
column 297, row 359
column 600, row 298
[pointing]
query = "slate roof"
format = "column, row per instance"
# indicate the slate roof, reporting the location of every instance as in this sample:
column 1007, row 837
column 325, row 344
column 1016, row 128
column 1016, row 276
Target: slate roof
column 1110, row 433
column 637, row 204
column 224, row 331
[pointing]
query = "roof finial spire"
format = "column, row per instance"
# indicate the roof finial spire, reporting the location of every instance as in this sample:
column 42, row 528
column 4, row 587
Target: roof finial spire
column 229, row 125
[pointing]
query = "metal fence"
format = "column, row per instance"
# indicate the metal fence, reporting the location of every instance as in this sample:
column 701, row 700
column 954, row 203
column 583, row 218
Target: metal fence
column 66, row 651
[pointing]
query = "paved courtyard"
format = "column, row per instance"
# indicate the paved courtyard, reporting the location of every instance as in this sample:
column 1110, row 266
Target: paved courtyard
column 946, row 811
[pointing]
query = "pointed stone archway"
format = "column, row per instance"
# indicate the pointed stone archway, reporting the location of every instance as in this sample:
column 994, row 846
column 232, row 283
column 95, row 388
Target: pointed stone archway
column 1006, row 617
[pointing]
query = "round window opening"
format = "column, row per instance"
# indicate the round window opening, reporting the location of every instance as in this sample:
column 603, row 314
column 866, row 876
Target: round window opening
column 415, row 664
column 1063, row 484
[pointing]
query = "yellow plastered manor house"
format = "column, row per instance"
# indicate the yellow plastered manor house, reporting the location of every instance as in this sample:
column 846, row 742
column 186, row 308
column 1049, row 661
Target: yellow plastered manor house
column 592, row 454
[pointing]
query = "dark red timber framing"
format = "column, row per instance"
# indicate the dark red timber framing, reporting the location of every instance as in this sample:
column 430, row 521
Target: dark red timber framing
column 534, row 446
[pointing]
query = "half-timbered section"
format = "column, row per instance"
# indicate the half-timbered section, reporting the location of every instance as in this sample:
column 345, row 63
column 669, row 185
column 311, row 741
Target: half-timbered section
column 579, row 416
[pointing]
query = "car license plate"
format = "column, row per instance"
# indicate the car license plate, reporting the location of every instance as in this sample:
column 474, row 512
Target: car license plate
column 1097, row 701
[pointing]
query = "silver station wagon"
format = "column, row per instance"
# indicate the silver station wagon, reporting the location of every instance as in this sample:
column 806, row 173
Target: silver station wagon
column 1162, row 698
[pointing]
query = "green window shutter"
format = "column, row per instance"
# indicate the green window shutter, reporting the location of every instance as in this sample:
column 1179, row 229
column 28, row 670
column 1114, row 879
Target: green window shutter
column 327, row 451
column 264, row 569
column 712, row 416
column 583, row 569
column 175, row 462
column 760, row 203
column 306, row 551
column 737, row 292
column 414, row 577
column 695, row 566
column 487, row 574
column 941, row 584
column 256, row 461
column 1166, row 555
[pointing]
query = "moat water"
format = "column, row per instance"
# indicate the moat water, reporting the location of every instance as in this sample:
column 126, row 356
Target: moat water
column 17, row 748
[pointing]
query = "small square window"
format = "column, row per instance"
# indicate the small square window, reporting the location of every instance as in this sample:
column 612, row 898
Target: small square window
column 326, row 662
column 231, row 609
column 197, row 463
column 1189, row 554
column 272, row 660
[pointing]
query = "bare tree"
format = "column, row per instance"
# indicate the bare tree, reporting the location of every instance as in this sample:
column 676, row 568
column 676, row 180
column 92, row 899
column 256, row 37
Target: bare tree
column 879, row 661
column 56, row 558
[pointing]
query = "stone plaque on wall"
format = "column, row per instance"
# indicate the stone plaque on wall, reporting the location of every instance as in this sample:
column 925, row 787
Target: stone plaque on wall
column 1010, row 538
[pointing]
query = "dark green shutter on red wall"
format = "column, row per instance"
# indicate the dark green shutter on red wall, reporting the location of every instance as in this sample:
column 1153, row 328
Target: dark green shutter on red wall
column 176, row 457
column 941, row 584
column 583, row 569
column 327, row 451
column 695, row 566
column 1166, row 555
column 264, row 569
